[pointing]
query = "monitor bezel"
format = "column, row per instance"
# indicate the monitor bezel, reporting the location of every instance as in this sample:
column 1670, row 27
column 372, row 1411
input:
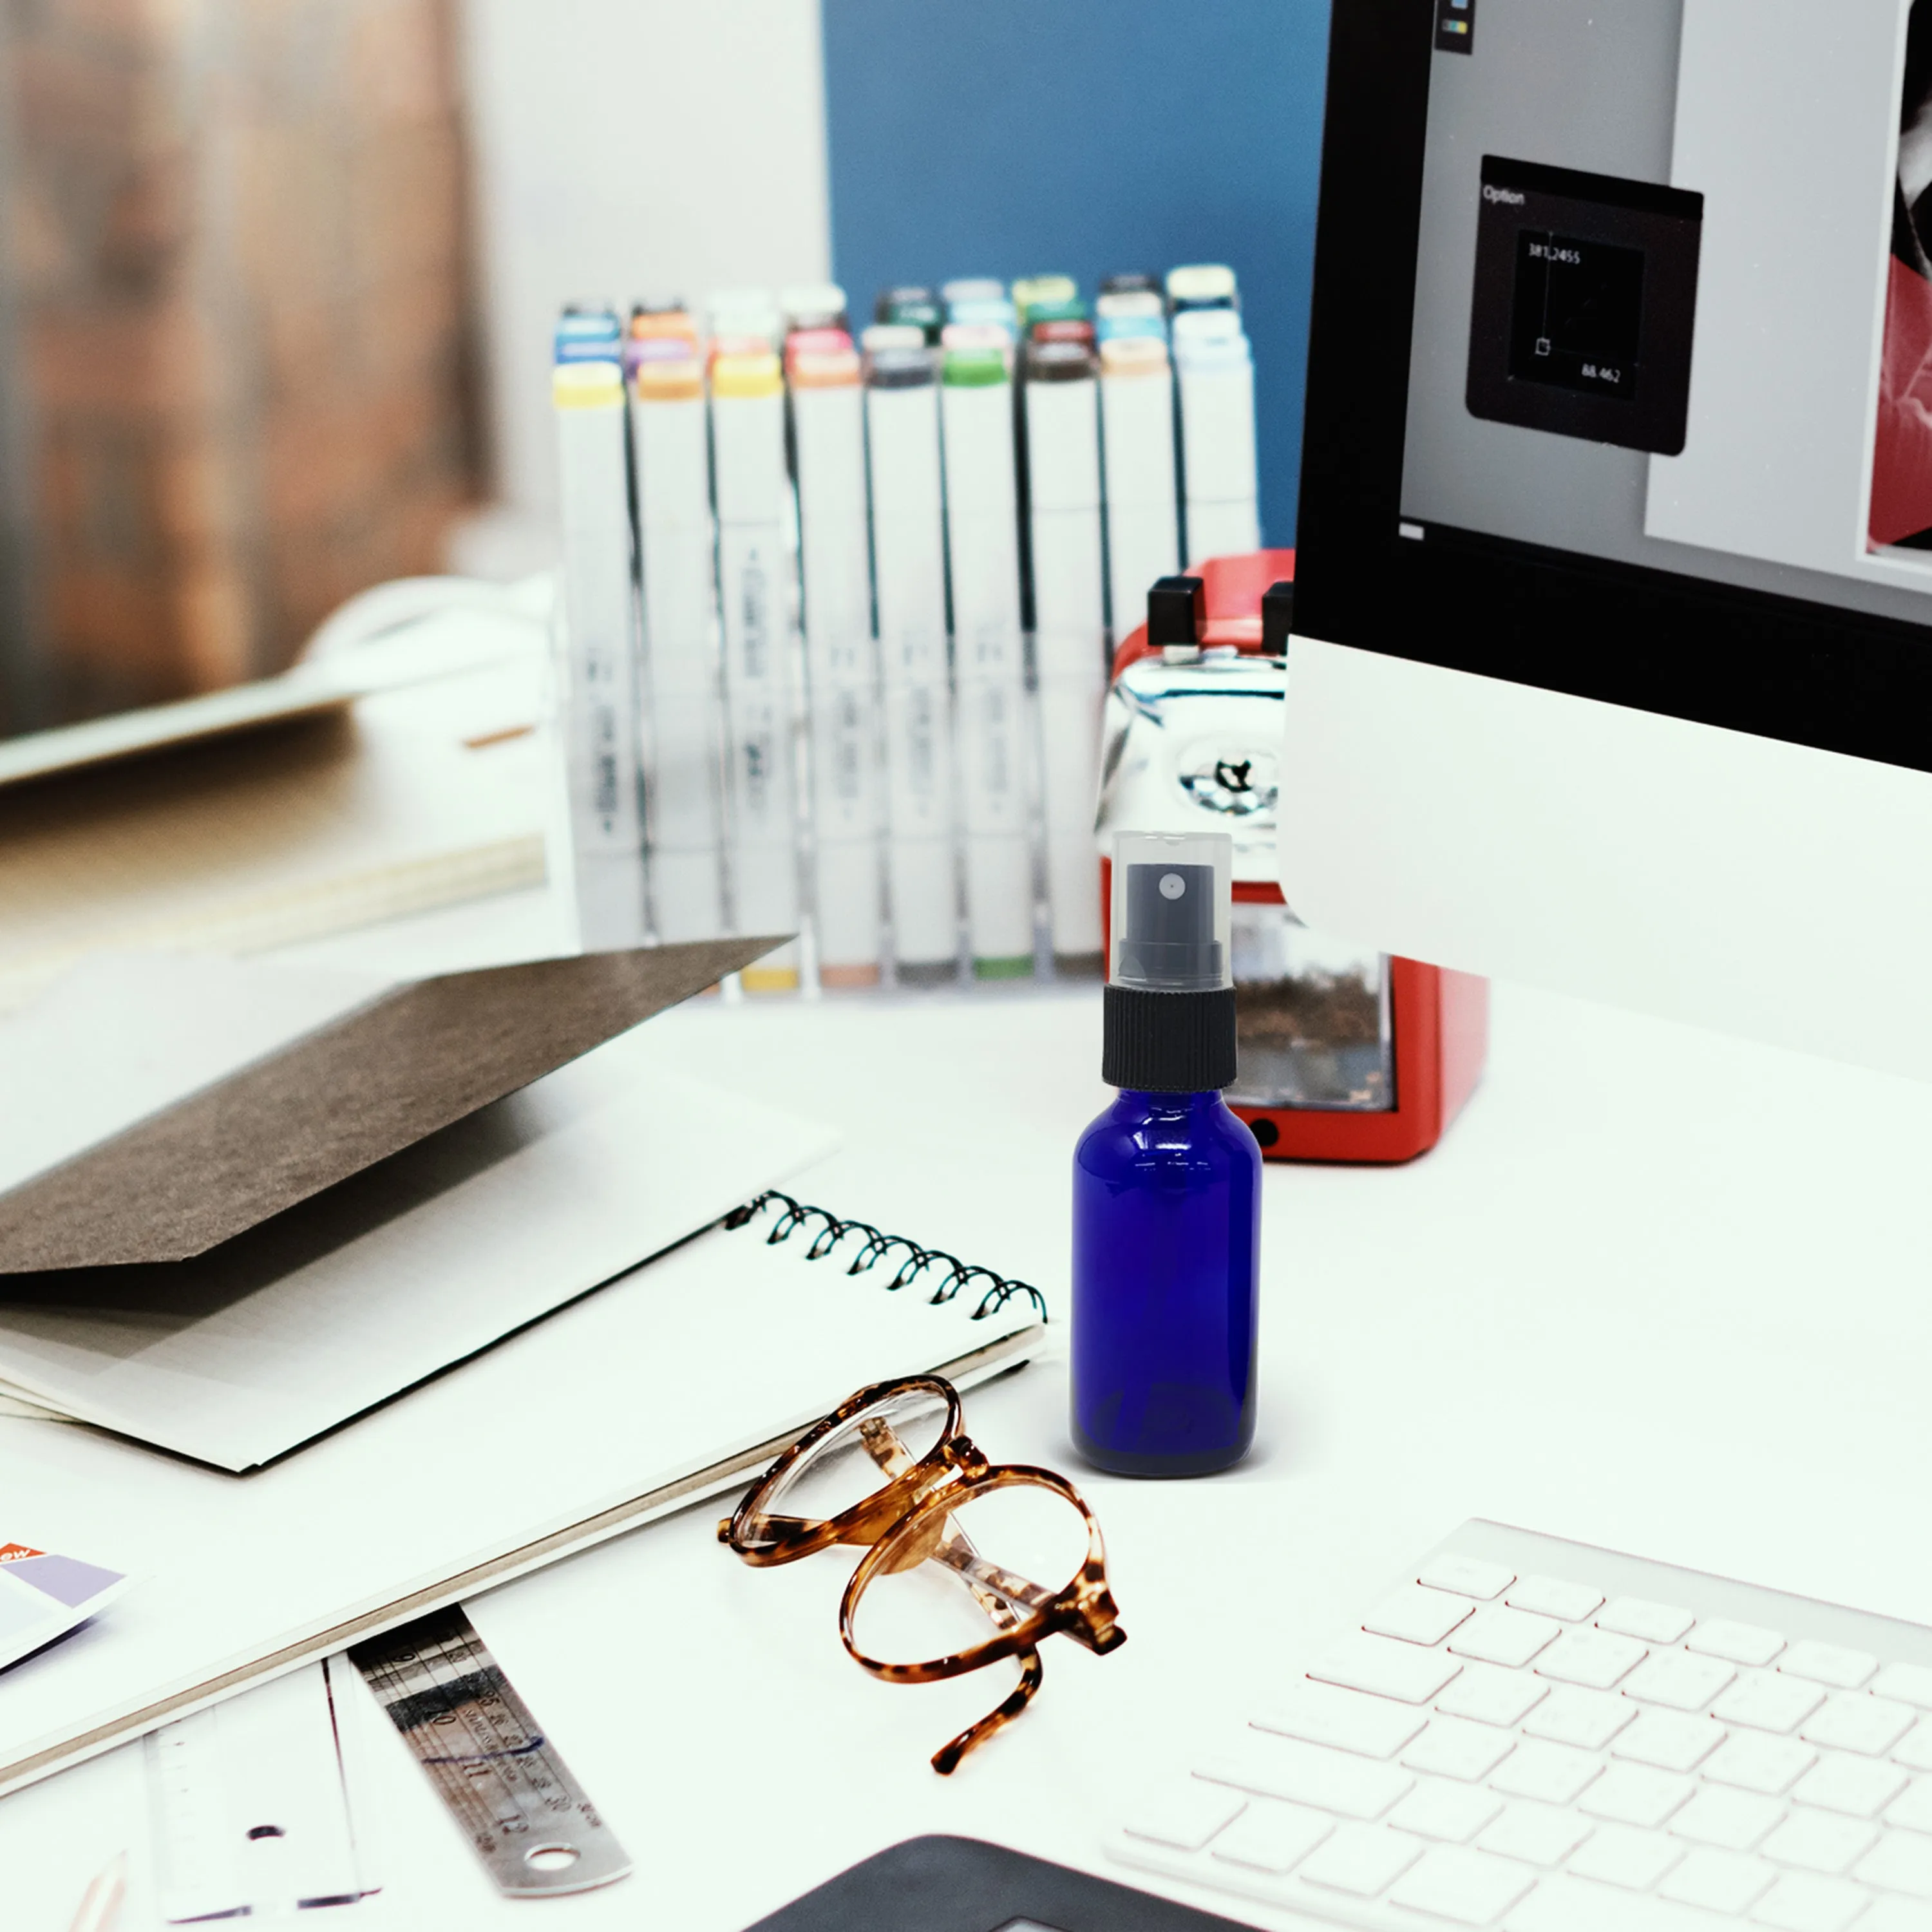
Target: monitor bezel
column 1745, row 660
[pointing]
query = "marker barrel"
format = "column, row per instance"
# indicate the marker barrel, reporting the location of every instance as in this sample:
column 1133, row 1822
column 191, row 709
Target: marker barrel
column 684, row 710
column 829, row 445
column 983, row 570
column 599, row 657
column 909, row 574
column 756, row 606
column 1216, row 375
column 1069, row 631
column 1143, row 510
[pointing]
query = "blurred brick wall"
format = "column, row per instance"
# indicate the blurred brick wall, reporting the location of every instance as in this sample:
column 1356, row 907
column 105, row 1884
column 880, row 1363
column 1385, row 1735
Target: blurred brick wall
column 241, row 323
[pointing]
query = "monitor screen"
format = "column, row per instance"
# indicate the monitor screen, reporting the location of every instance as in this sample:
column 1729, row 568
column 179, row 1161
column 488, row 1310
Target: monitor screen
column 1620, row 373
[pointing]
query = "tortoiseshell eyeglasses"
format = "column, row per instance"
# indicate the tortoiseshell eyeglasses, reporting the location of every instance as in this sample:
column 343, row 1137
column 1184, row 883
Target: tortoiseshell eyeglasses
column 892, row 1471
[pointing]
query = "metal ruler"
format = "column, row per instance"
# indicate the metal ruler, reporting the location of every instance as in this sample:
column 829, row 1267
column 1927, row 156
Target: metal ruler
column 514, row 1798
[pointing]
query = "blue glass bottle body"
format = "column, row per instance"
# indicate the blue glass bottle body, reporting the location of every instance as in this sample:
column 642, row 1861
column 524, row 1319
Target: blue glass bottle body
column 1166, row 1285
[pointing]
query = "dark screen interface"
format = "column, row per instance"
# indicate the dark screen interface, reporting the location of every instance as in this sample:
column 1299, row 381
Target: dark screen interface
column 1576, row 317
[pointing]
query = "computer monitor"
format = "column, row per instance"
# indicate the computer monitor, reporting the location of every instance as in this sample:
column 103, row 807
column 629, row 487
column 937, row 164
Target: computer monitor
column 1613, row 661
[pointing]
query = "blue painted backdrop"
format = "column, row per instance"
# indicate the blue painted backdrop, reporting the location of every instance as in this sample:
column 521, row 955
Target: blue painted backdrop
column 1011, row 137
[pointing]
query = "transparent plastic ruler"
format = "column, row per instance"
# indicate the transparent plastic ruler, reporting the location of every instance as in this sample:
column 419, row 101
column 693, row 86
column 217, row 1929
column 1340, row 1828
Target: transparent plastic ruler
column 533, row 1825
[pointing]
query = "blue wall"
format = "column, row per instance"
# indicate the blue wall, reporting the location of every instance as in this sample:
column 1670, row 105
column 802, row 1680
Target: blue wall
column 1010, row 137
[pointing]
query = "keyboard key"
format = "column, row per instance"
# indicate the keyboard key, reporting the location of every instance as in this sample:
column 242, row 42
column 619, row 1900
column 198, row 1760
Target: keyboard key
column 1364, row 1859
column 1767, row 1701
column 1453, row 1813
column 1455, row 1747
column 1854, row 1720
column 1621, row 1855
column 1826, row 1663
column 1551, row 1597
column 1914, row 1810
column 1655, row 1623
column 1798, row 1903
column 1272, row 1838
column 1679, row 1681
column 1554, row 1773
column 1909, row 1683
column 1417, row 1614
column 1471, row 1888
column 1467, row 1575
column 1303, row 1774
column 1819, row 1842
column 1593, row 1658
column 1561, row 1904
column 1899, row 1861
column 1320, row 1714
column 1769, row 1764
column 1185, row 1814
column 1719, row 1881
column 1388, row 1668
column 1733, row 1820
column 1735, row 1643
column 1538, row 1835
column 1588, row 1719
column 1634, row 1794
column 1915, row 1748
column 1492, row 1696
column 1857, row 1787
column 1669, row 1741
column 1495, row 1635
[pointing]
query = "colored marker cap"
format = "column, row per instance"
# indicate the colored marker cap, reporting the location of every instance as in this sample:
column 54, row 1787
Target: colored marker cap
column 1132, row 355
column 812, row 305
column 972, row 288
column 1197, row 327
column 900, row 295
column 589, row 335
column 974, row 368
column 596, row 385
column 900, row 368
column 668, row 380
column 1060, row 362
column 893, row 335
column 993, row 311
column 1044, row 315
column 1202, row 285
column 747, row 375
column 975, row 335
column 1033, row 293
column 1123, row 302
column 673, row 322
column 821, row 359
column 1130, row 283
column 1070, row 329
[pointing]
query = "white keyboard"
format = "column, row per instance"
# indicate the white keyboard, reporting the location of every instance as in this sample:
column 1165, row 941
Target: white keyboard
column 1535, row 1734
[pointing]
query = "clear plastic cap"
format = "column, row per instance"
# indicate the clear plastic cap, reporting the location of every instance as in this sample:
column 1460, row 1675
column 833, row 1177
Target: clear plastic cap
column 1172, row 892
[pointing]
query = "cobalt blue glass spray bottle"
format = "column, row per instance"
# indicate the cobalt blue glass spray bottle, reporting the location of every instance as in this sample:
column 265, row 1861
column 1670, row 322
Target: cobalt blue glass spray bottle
column 1167, row 1182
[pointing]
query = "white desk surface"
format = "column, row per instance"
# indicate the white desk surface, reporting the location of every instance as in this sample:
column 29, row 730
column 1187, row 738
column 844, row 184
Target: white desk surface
column 1656, row 1290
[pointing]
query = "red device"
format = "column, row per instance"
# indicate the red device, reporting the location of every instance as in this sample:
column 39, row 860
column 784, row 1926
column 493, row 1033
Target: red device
column 1439, row 1019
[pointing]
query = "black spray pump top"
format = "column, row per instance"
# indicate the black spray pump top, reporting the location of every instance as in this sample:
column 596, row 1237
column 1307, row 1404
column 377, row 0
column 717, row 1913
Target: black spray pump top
column 1170, row 995
column 1169, row 945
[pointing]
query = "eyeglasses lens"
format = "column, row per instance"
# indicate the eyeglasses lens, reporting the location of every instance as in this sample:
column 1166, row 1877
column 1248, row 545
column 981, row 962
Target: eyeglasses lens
column 859, row 1457
column 955, row 1581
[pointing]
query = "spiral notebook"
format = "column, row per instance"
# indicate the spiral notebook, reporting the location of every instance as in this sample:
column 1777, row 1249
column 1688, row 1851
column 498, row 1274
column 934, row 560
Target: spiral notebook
column 676, row 1381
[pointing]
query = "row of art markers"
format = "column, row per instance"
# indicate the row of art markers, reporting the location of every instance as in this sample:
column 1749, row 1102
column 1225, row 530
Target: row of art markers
column 835, row 617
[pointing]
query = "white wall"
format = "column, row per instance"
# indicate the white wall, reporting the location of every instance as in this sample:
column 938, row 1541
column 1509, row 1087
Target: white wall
column 624, row 147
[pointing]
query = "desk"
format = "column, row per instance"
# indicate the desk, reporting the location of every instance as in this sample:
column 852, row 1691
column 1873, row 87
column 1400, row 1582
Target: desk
column 1656, row 1290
